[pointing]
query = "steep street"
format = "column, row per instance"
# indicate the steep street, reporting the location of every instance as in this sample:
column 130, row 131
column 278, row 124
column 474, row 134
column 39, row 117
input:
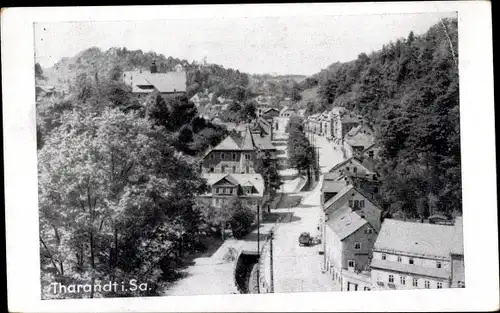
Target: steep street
column 298, row 268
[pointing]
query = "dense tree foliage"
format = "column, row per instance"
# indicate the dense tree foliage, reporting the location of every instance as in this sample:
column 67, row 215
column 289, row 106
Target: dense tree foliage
column 240, row 113
column 116, row 197
column 409, row 90
column 266, row 166
column 300, row 151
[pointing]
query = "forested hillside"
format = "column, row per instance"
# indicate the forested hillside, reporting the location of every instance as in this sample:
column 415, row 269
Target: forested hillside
column 214, row 77
column 410, row 91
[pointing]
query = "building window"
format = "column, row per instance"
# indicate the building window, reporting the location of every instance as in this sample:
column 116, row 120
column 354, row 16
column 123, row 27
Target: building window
column 355, row 169
column 461, row 284
column 223, row 156
column 366, row 289
column 211, row 170
column 415, row 282
column 391, row 278
column 356, row 203
column 347, row 168
column 223, row 169
column 361, row 203
column 439, row 285
column 350, row 203
column 217, row 190
column 211, row 156
column 427, row 284
column 351, row 263
column 247, row 156
column 228, row 190
column 234, row 156
column 375, row 189
column 400, row 259
column 402, row 280
column 438, row 264
column 384, row 257
column 410, row 261
column 357, row 246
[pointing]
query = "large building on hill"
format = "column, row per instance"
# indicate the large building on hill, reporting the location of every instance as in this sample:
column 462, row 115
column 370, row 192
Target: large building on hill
column 144, row 82
column 410, row 255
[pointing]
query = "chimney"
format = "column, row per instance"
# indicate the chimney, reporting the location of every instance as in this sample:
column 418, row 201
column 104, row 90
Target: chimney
column 154, row 69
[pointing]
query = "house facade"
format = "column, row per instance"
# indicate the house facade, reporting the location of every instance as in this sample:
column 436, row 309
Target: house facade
column 359, row 203
column 237, row 154
column 360, row 138
column 348, row 242
column 269, row 113
column 286, row 111
column 249, row 188
column 409, row 255
column 313, row 123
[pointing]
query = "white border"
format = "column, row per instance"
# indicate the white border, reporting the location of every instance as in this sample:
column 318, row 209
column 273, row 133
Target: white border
column 478, row 157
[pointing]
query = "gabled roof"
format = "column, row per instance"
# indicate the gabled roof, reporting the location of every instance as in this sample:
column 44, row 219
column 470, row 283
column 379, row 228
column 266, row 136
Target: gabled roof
column 263, row 143
column 333, row 185
column 247, row 180
column 339, row 195
column 369, row 147
column 415, row 238
column 344, row 222
column 228, row 143
column 345, row 162
column 269, row 110
column 345, row 190
column 163, row 82
column 228, row 178
column 248, row 142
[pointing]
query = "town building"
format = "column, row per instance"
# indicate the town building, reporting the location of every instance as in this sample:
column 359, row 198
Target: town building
column 359, row 138
column 249, row 188
column 269, row 113
column 144, row 82
column 410, row 255
column 372, row 152
column 301, row 112
column 342, row 122
column 348, row 242
column 286, row 111
column 313, row 123
column 355, row 199
column 237, row 154
column 357, row 171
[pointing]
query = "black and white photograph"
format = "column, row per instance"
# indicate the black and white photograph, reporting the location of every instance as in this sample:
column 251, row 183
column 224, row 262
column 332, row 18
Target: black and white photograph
column 249, row 155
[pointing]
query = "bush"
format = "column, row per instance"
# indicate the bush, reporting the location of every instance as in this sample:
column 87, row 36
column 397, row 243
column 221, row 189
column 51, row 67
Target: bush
column 242, row 220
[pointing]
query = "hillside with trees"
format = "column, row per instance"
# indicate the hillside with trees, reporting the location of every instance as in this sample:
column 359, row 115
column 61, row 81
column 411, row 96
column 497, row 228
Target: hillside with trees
column 117, row 186
column 93, row 61
column 410, row 91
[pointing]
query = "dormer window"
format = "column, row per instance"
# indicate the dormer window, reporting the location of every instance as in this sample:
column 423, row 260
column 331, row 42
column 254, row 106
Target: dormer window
column 222, row 156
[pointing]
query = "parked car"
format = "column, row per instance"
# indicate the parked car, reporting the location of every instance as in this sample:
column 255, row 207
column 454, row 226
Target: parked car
column 305, row 239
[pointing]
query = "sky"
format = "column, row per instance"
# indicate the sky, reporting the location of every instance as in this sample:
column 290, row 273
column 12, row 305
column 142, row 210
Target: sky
column 277, row 45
